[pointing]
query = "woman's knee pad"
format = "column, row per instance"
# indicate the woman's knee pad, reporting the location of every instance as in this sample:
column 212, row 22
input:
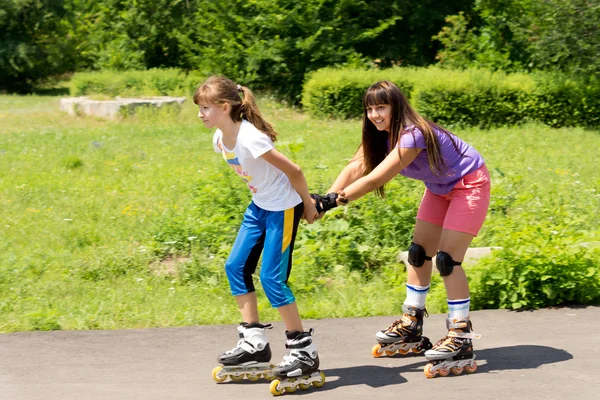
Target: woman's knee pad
column 416, row 255
column 444, row 263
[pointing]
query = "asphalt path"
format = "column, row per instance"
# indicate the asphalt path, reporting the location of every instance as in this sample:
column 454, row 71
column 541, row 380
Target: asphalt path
column 545, row 354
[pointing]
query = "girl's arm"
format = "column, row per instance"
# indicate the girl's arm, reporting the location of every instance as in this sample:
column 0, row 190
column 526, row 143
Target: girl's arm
column 351, row 172
column 391, row 166
column 297, row 179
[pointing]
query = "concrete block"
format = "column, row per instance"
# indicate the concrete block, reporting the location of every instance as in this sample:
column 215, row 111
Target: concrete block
column 112, row 109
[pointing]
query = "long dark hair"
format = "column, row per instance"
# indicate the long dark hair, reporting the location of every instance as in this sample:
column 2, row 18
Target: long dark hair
column 376, row 146
column 218, row 89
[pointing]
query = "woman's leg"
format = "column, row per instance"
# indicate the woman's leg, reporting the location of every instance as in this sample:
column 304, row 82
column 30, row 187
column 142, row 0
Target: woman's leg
column 428, row 236
column 456, row 244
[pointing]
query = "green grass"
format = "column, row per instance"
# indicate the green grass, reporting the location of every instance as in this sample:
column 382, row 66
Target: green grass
column 126, row 224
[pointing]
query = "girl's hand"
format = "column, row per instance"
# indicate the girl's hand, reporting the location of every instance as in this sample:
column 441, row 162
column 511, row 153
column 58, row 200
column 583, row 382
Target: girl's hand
column 341, row 200
column 310, row 212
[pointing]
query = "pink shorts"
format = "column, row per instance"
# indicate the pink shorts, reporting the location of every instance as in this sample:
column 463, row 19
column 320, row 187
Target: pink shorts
column 464, row 208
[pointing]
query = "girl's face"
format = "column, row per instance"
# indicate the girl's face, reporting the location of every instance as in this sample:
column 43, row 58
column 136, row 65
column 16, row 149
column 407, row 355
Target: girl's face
column 380, row 115
column 213, row 115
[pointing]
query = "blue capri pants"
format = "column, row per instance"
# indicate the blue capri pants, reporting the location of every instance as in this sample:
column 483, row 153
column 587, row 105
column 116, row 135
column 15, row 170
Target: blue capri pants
column 271, row 233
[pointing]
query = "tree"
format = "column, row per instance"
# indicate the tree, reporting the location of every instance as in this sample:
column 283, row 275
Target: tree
column 34, row 43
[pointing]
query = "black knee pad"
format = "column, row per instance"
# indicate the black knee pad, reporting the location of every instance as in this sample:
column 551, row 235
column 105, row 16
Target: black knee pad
column 444, row 263
column 416, row 255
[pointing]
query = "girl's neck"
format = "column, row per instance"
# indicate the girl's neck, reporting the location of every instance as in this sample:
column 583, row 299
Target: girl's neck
column 231, row 129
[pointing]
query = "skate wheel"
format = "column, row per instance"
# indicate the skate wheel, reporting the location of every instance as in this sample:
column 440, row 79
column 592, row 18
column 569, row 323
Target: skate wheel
column 457, row 370
column 253, row 377
column 268, row 376
column 274, row 389
column 428, row 373
column 216, row 375
column 291, row 389
column 237, row 378
column 303, row 386
column 471, row 368
column 417, row 350
column 389, row 353
column 403, row 352
column 376, row 351
column 444, row 372
column 320, row 383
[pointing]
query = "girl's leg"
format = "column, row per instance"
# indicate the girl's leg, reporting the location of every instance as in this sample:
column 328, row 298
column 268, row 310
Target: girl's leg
column 456, row 245
column 248, row 307
column 291, row 317
column 242, row 261
column 281, row 232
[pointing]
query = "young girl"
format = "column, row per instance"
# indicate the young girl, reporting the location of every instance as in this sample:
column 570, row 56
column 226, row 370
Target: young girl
column 397, row 140
column 280, row 198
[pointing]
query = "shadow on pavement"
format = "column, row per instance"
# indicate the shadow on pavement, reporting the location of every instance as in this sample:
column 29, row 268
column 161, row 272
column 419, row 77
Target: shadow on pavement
column 501, row 358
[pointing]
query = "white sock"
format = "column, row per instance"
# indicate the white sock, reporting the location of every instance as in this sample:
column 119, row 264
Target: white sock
column 416, row 295
column 458, row 309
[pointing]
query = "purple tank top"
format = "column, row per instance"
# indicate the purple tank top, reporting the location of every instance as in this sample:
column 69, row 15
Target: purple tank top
column 458, row 165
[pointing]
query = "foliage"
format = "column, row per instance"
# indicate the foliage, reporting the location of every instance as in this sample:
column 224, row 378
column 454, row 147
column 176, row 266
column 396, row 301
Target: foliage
column 153, row 82
column 127, row 224
column 473, row 97
column 34, row 44
column 338, row 92
column 538, row 268
column 556, row 35
column 265, row 44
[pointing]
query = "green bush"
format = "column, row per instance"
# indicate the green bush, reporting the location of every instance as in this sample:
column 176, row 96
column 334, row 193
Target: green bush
column 558, row 100
column 338, row 93
column 530, row 277
column 475, row 97
column 153, row 82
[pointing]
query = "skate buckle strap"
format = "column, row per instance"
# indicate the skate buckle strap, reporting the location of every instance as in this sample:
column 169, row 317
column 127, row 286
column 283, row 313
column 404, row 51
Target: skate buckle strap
column 464, row 335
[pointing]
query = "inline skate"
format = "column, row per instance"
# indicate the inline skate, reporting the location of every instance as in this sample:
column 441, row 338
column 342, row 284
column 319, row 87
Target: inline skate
column 454, row 353
column 404, row 335
column 300, row 368
column 249, row 359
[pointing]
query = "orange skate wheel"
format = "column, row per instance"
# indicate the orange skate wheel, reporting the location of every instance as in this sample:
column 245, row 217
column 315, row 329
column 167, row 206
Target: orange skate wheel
column 471, row 368
column 376, row 351
column 457, row 370
column 428, row 373
column 444, row 372
column 403, row 352
column 416, row 350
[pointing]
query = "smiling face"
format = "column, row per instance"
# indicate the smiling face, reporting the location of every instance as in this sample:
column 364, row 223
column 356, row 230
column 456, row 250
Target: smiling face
column 380, row 115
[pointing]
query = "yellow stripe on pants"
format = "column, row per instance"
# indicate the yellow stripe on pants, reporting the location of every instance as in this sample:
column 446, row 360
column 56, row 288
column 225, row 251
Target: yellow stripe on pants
column 288, row 228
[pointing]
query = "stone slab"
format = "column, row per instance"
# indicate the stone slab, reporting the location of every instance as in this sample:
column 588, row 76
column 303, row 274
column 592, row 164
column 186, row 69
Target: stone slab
column 112, row 109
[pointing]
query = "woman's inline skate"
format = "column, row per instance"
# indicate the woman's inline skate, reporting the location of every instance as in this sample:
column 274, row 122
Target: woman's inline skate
column 454, row 353
column 300, row 368
column 249, row 359
column 404, row 335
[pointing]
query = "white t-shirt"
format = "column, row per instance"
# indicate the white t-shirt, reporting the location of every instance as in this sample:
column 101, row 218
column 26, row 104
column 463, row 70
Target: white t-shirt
column 271, row 189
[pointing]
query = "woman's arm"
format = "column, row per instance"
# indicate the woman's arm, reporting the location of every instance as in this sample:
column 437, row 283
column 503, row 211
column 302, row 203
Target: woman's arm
column 391, row 166
column 297, row 179
column 351, row 172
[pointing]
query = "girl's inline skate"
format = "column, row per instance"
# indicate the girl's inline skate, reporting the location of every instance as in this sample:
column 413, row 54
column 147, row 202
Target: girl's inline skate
column 454, row 353
column 249, row 359
column 300, row 368
column 404, row 335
